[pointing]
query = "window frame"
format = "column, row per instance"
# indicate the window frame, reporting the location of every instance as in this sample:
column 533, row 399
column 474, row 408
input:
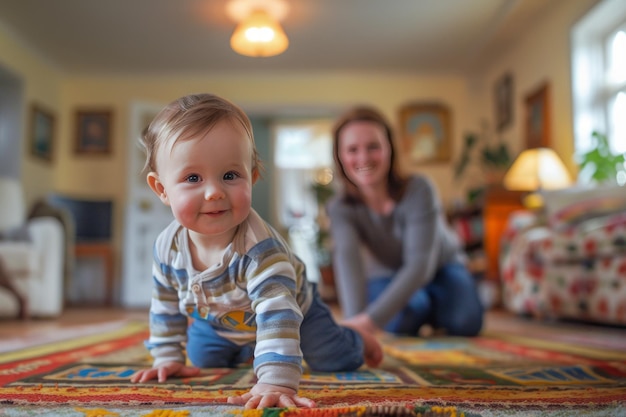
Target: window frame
column 593, row 90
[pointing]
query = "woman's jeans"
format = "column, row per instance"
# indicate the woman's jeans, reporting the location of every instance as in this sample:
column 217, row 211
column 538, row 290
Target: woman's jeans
column 450, row 301
column 326, row 346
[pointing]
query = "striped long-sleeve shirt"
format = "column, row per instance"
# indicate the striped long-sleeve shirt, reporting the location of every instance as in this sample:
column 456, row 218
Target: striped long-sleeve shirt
column 258, row 292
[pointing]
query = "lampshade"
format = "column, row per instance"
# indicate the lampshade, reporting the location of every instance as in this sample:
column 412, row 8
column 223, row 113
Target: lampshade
column 259, row 35
column 537, row 169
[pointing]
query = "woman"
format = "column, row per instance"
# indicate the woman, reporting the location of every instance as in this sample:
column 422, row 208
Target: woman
column 397, row 264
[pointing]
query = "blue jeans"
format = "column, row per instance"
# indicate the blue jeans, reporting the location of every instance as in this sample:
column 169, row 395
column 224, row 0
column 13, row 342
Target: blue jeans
column 450, row 301
column 326, row 346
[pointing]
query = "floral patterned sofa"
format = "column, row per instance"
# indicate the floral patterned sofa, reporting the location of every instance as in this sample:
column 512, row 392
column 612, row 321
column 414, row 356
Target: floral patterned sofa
column 568, row 261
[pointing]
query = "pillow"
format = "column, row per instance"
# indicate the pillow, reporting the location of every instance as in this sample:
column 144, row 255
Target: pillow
column 571, row 206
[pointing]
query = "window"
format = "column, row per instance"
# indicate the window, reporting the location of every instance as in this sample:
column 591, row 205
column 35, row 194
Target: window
column 303, row 154
column 599, row 76
column 303, row 158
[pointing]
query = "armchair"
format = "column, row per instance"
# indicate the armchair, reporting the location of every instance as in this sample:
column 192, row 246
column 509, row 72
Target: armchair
column 32, row 256
column 570, row 260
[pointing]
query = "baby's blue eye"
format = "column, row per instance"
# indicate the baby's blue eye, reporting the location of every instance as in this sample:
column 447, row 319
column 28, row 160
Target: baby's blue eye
column 229, row 176
column 193, row 178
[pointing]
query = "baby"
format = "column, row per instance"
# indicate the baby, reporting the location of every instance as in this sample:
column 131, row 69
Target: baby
column 224, row 267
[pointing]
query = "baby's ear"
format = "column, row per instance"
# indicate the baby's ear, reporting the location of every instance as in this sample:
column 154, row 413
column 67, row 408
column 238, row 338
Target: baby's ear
column 157, row 186
column 255, row 175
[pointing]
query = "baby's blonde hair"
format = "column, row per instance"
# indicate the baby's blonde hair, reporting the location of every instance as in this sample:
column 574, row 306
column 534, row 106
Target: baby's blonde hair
column 190, row 116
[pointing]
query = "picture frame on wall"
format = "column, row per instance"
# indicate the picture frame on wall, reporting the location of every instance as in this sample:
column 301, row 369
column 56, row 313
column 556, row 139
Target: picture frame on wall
column 42, row 126
column 93, row 132
column 503, row 99
column 425, row 130
column 537, row 122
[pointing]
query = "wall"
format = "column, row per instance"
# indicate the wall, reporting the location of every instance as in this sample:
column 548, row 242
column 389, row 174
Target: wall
column 541, row 54
column 41, row 84
column 11, row 99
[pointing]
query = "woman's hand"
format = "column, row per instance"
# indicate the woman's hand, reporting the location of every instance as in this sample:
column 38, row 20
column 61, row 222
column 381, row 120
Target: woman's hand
column 372, row 350
column 267, row 395
column 163, row 371
column 362, row 323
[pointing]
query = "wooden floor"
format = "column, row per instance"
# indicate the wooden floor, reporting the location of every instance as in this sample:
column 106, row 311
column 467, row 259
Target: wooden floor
column 495, row 321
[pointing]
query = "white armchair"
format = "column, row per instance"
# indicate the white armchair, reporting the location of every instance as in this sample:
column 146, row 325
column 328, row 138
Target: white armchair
column 32, row 252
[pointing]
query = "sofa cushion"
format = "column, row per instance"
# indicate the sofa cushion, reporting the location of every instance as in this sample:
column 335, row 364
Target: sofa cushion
column 571, row 206
column 577, row 272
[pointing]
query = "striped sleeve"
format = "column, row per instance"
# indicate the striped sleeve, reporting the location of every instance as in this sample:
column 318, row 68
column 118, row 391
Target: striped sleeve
column 272, row 289
column 168, row 326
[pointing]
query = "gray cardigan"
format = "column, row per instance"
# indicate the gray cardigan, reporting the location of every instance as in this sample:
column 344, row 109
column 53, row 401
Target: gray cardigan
column 413, row 241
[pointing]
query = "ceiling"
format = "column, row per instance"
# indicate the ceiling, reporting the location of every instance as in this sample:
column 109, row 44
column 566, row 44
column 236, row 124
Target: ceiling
column 192, row 36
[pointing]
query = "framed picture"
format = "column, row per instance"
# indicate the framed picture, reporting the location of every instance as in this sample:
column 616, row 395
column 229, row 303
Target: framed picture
column 537, row 126
column 503, row 99
column 41, row 133
column 93, row 132
column 425, row 132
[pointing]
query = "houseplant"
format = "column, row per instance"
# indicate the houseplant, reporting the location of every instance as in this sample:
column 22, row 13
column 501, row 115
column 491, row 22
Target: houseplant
column 493, row 157
column 601, row 164
column 323, row 192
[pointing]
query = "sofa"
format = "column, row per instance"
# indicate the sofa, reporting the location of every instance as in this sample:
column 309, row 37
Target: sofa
column 32, row 253
column 568, row 261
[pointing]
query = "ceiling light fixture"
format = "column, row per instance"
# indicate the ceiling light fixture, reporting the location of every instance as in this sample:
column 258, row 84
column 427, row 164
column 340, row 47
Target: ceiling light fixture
column 259, row 35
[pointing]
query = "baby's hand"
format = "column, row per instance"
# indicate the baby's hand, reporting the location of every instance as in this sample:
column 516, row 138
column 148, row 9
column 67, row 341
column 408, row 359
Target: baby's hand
column 267, row 395
column 163, row 371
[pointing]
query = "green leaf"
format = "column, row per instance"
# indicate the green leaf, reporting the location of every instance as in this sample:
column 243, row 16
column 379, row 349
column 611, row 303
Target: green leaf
column 604, row 163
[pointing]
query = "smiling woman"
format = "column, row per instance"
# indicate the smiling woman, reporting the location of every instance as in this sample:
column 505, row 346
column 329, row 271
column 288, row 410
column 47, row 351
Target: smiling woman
column 397, row 263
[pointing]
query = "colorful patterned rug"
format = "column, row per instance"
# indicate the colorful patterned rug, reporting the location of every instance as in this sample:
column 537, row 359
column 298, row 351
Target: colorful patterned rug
column 491, row 375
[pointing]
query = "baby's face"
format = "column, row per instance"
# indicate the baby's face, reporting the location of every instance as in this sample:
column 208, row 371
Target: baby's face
column 207, row 180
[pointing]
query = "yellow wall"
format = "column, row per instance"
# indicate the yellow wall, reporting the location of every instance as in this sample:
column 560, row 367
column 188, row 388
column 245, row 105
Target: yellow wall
column 42, row 86
column 542, row 54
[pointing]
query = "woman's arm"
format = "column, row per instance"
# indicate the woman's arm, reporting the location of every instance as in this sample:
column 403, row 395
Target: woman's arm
column 348, row 263
column 419, row 210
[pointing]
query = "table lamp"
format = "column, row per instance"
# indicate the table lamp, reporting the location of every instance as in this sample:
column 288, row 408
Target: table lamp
column 535, row 170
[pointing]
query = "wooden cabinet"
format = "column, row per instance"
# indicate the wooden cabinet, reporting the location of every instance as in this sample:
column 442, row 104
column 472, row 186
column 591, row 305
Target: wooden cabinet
column 103, row 251
column 499, row 204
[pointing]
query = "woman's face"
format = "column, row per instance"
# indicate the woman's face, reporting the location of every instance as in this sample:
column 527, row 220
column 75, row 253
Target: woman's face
column 364, row 153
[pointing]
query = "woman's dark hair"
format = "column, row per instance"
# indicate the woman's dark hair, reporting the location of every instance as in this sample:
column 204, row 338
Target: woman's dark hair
column 396, row 182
